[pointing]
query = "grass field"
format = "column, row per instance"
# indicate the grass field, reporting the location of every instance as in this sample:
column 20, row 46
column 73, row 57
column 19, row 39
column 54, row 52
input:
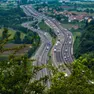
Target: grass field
column 43, row 26
column 4, row 55
column 76, row 34
column 68, row 26
column 12, row 32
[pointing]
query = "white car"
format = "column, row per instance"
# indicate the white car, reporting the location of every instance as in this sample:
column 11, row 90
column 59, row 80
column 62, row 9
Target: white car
column 45, row 33
column 56, row 44
column 65, row 29
column 47, row 48
column 58, row 31
column 65, row 57
column 54, row 50
column 70, row 42
column 68, row 56
column 70, row 37
column 66, row 50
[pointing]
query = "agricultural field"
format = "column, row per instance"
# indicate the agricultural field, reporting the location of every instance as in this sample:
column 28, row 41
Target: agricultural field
column 68, row 26
column 12, row 46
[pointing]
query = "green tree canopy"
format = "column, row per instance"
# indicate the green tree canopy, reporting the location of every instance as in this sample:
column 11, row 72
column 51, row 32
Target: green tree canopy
column 79, row 82
column 17, row 38
column 5, row 33
column 86, row 41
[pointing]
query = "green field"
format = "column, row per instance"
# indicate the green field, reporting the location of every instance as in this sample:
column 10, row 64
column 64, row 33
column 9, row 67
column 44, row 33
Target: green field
column 43, row 26
column 68, row 26
column 12, row 32
column 76, row 34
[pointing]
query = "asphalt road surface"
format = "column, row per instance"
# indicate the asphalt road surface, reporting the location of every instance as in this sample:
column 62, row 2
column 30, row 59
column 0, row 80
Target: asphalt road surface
column 62, row 52
column 41, row 55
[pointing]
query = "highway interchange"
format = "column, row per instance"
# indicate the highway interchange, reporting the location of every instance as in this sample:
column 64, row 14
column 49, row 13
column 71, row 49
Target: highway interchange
column 62, row 51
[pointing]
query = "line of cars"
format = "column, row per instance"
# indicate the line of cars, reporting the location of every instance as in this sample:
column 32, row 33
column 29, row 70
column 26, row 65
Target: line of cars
column 62, row 48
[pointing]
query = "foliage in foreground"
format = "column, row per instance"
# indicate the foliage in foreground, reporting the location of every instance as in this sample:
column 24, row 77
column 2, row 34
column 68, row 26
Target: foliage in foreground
column 17, row 76
column 85, row 43
column 81, row 80
column 16, row 73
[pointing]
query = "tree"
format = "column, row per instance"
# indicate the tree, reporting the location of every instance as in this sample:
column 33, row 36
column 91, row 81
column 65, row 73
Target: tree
column 16, row 72
column 24, row 1
column 18, row 78
column 58, row 17
column 17, row 38
column 28, row 40
column 5, row 33
column 77, row 83
column 91, row 10
column 86, row 41
column 87, row 10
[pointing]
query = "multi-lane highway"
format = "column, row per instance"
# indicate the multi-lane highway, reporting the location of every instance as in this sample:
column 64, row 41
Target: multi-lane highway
column 41, row 55
column 64, row 43
column 62, row 52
